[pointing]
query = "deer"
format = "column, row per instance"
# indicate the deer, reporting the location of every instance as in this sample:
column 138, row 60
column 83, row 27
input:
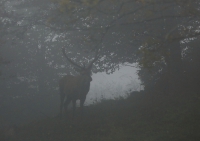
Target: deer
column 73, row 88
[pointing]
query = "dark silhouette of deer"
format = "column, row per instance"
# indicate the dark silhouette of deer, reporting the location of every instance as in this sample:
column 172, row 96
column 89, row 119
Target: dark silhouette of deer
column 73, row 88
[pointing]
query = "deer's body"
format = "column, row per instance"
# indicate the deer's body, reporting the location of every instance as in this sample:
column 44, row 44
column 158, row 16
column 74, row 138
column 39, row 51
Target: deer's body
column 73, row 88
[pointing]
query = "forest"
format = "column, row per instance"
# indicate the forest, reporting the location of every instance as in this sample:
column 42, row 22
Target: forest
column 44, row 40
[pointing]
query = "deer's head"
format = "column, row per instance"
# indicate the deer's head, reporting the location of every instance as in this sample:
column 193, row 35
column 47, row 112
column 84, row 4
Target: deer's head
column 83, row 70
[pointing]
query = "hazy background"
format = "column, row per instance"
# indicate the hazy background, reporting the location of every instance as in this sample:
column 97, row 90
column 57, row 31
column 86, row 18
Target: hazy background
column 161, row 37
column 115, row 85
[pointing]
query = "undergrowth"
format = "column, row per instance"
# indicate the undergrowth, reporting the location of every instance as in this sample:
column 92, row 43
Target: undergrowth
column 140, row 117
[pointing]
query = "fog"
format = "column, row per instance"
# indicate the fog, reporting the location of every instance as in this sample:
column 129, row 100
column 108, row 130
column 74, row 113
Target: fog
column 113, row 86
column 130, row 67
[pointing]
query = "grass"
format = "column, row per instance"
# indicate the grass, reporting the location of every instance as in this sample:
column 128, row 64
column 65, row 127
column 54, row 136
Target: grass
column 140, row 117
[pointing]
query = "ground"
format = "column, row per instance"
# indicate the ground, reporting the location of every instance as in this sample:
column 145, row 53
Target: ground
column 140, row 117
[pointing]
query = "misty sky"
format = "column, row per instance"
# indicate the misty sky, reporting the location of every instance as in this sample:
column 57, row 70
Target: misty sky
column 113, row 85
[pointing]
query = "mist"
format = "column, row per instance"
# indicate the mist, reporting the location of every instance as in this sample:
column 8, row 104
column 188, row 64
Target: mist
column 102, row 70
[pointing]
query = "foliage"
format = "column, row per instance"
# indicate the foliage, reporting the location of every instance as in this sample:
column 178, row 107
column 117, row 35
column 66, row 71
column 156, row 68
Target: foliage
column 147, row 32
column 161, row 36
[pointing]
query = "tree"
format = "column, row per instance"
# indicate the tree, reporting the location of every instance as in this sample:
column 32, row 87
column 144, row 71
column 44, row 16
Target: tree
column 124, row 31
column 121, row 28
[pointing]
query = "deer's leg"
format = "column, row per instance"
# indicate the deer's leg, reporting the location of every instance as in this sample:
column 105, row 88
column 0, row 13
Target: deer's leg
column 66, row 103
column 74, row 106
column 82, row 100
column 62, row 97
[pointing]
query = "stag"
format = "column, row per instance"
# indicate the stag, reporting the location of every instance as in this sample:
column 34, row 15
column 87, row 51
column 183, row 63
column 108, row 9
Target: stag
column 72, row 87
